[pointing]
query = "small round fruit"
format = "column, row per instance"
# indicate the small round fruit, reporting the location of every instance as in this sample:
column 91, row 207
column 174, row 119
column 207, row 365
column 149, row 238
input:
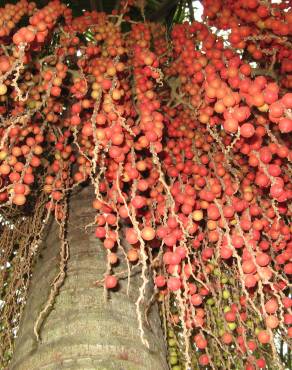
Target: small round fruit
column 3, row 89
column 133, row 255
column 148, row 233
column 263, row 337
column 226, row 294
column 19, row 199
column 110, row 281
column 197, row 215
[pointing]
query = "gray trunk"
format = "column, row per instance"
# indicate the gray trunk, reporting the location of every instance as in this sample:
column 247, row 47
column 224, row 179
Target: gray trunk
column 83, row 331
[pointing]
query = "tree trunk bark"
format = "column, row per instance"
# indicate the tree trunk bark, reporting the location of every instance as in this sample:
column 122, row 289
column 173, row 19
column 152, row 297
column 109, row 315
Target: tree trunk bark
column 83, row 331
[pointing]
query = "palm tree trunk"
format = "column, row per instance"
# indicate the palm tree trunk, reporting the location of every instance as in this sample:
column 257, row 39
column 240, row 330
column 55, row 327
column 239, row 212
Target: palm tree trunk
column 83, row 331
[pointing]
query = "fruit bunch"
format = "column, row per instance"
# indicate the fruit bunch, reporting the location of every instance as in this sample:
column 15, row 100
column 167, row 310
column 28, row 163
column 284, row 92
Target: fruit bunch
column 186, row 143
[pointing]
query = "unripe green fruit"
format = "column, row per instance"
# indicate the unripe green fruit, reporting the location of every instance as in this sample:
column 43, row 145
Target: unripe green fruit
column 227, row 309
column 176, row 367
column 173, row 360
column 224, row 280
column 249, row 323
column 231, row 325
column 171, row 342
column 221, row 332
column 210, row 301
column 32, row 104
column 216, row 272
column 170, row 333
column 257, row 330
column 3, row 89
column 226, row 294
column 3, row 155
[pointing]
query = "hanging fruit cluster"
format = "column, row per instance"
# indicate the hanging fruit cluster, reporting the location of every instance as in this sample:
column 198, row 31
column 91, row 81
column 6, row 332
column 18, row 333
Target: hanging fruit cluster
column 186, row 143
column 261, row 29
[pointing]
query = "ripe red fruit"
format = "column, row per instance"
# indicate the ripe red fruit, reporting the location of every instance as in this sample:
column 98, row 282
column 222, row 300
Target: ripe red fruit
column 287, row 100
column 276, row 109
column 75, row 120
column 160, row 281
column 252, row 345
column 274, row 170
column 115, row 152
column 263, row 259
column 247, row 130
column 148, row 233
column 272, row 322
column 19, row 188
column 285, row 125
column 109, row 243
column 192, row 288
column 261, row 363
column 100, row 119
column 172, row 222
column 207, row 253
column 228, row 211
column 174, row 259
column 213, row 212
column 230, row 316
column 226, row 252
column 138, row 201
column 237, row 241
column 264, row 337
column 87, row 129
column 276, row 190
column 167, row 257
column 181, row 251
column 173, row 284
column 142, row 185
column 110, row 281
column 204, row 360
column 288, row 268
column 249, row 366
column 131, row 236
column 287, row 302
column 200, row 341
column 270, row 96
column 265, row 155
column 196, row 299
column 55, row 91
column 250, row 281
column 288, row 319
column 227, row 338
column 117, row 138
column 133, row 255
column 230, row 125
column 263, row 11
column 170, row 240
column 248, row 267
column 19, row 199
column 271, row 306
column 100, row 232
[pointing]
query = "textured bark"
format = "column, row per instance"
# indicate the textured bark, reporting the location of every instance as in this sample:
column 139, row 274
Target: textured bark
column 83, row 331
